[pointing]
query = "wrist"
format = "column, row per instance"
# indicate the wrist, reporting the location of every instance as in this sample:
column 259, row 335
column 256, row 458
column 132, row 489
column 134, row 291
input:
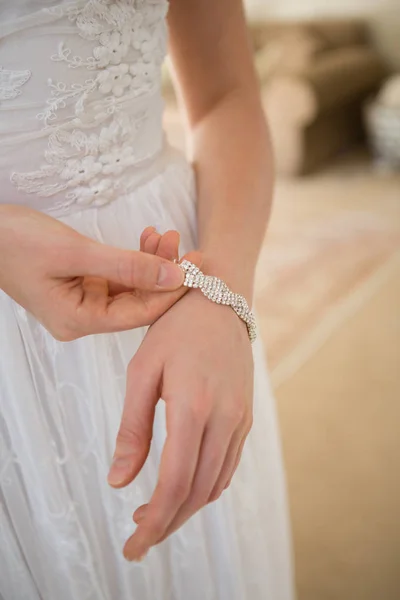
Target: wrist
column 217, row 290
column 235, row 271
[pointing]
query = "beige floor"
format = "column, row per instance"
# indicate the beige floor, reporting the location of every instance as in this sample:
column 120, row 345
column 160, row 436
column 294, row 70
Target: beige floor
column 340, row 418
column 339, row 409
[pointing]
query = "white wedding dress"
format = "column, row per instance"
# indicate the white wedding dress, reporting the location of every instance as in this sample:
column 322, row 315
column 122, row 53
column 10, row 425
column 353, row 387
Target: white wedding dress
column 81, row 139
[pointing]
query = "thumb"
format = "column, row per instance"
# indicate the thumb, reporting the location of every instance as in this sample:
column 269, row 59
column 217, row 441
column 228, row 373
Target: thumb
column 130, row 268
column 135, row 432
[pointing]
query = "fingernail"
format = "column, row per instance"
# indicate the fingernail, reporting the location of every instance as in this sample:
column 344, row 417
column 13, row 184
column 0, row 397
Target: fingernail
column 136, row 558
column 119, row 470
column 137, row 555
column 170, row 276
column 140, row 558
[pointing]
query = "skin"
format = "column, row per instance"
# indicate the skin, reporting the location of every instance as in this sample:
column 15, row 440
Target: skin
column 75, row 286
column 202, row 367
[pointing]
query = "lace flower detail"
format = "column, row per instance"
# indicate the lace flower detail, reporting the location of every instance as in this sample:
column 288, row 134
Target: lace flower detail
column 143, row 74
column 115, row 80
column 112, row 50
column 99, row 193
column 11, row 82
column 146, row 44
column 115, row 162
column 78, row 171
column 131, row 30
column 129, row 45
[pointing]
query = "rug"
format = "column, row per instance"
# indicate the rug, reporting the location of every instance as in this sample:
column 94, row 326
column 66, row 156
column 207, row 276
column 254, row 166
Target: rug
column 307, row 269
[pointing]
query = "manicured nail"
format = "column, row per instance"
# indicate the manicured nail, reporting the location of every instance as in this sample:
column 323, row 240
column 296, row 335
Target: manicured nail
column 119, row 470
column 170, row 276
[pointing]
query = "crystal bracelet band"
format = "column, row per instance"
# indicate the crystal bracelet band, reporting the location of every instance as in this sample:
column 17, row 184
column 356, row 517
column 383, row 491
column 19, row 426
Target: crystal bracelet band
column 216, row 290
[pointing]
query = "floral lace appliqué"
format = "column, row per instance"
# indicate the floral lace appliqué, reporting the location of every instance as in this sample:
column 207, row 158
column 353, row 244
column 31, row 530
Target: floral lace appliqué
column 89, row 151
column 11, row 82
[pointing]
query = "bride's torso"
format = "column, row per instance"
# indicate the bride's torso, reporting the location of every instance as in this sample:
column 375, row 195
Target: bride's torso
column 80, row 101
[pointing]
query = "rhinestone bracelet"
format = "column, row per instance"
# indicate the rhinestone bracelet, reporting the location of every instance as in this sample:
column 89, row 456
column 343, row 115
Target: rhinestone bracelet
column 217, row 291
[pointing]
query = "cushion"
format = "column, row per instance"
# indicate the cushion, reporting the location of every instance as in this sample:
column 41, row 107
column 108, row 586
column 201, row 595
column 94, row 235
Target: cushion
column 290, row 52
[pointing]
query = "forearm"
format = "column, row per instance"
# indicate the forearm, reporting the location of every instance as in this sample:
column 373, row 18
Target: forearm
column 232, row 158
column 212, row 57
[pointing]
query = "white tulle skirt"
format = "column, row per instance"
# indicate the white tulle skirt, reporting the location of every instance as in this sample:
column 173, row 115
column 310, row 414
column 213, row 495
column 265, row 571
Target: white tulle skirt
column 62, row 528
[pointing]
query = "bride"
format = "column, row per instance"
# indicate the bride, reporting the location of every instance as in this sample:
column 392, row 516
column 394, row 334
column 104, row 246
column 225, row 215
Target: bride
column 93, row 206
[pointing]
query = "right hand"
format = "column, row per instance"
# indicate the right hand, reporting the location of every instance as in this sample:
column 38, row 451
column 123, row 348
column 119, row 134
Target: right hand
column 75, row 286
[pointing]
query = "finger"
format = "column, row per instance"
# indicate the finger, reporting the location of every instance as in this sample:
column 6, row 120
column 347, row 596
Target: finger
column 152, row 242
column 237, row 462
column 98, row 291
column 232, row 459
column 97, row 312
column 206, row 476
column 94, row 292
column 177, row 468
column 114, row 289
column 135, row 432
column 145, row 234
column 228, row 467
column 218, row 440
column 140, row 513
column 124, row 312
column 93, row 306
column 158, row 304
column 130, row 268
column 149, row 242
column 128, row 310
column 169, row 245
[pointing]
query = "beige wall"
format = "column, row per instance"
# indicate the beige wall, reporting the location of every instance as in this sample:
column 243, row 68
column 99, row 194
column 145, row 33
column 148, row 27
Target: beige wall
column 384, row 16
column 309, row 8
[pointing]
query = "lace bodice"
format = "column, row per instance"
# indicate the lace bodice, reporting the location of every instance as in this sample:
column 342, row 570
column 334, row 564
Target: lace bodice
column 80, row 102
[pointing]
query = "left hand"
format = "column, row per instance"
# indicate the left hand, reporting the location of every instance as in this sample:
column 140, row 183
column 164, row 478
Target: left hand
column 197, row 357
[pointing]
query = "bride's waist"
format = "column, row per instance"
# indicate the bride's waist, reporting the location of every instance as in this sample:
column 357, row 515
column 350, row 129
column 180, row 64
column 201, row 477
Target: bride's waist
column 102, row 190
column 67, row 167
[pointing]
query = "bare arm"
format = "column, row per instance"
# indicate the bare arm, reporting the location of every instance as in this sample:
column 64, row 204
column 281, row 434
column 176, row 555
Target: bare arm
column 228, row 134
column 203, row 367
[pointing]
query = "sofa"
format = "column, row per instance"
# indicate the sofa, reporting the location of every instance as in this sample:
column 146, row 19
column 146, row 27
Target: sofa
column 315, row 77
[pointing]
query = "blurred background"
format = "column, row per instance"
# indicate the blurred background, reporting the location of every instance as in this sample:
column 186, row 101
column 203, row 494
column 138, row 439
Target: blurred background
column 328, row 283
